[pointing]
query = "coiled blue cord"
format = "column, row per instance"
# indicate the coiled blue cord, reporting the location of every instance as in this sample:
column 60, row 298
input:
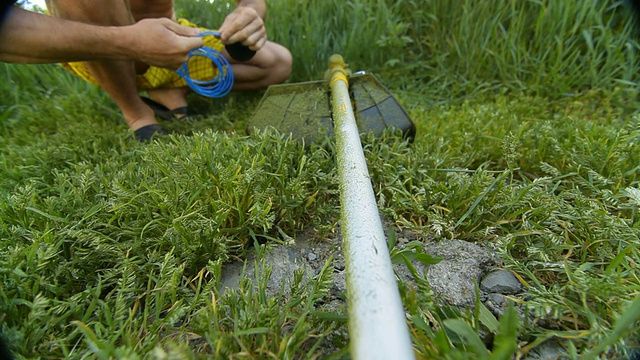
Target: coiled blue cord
column 220, row 85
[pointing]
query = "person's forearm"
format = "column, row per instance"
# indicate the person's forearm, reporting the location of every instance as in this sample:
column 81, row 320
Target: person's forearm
column 260, row 6
column 29, row 37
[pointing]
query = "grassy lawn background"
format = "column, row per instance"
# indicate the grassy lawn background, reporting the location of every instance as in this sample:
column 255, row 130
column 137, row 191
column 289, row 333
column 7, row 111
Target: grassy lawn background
column 528, row 139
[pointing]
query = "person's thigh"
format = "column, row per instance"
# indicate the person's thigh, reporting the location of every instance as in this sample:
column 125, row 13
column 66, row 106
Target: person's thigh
column 146, row 9
column 102, row 12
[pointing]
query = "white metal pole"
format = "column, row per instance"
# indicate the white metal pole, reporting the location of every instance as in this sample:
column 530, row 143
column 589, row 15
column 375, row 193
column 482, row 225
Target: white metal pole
column 377, row 324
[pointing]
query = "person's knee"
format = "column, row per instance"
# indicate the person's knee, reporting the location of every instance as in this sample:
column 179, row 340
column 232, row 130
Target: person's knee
column 271, row 65
column 283, row 64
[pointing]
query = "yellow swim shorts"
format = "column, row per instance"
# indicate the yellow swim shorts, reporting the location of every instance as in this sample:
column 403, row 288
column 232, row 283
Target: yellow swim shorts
column 156, row 78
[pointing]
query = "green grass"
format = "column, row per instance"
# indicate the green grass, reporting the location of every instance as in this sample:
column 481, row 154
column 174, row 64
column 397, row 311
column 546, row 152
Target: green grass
column 528, row 141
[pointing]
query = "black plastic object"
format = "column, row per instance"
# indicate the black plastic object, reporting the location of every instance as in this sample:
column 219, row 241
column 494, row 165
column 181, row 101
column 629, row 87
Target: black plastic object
column 304, row 110
column 240, row 52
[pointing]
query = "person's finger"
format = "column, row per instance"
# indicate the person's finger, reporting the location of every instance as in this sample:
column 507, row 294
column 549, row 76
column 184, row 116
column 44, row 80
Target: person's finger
column 260, row 43
column 256, row 40
column 182, row 30
column 256, row 26
column 230, row 26
column 235, row 25
column 223, row 29
column 192, row 42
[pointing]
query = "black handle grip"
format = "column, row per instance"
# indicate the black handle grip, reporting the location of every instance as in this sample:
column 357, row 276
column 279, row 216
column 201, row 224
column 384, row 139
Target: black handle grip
column 240, row 52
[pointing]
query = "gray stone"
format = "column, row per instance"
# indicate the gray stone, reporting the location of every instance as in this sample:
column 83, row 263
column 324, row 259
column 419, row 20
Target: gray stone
column 453, row 279
column 283, row 261
column 498, row 300
column 501, row 282
column 496, row 303
column 548, row 350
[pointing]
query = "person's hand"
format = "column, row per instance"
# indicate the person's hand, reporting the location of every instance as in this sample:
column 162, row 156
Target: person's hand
column 244, row 25
column 161, row 42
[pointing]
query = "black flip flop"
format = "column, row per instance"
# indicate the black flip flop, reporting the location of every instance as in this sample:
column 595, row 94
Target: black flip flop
column 164, row 113
column 146, row 133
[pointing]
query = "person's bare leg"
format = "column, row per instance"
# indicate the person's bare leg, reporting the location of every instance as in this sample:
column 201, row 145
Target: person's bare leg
column 270, row 65
column 117, row 78
column 172, row 98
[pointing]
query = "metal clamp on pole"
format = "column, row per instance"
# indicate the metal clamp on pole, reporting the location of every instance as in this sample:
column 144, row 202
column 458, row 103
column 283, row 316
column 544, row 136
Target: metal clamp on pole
column 377, row 324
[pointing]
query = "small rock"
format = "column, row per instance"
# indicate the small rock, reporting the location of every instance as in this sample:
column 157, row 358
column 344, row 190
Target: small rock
column 501, row 282
column 282, row 262
column 548, row 350
column 311, row 256
column 453, row 279
column 498, row 300
column 496, row 303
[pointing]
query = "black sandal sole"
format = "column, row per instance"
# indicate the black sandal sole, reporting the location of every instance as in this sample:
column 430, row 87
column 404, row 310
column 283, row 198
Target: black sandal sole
column 164, row 113
column 146, row 133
